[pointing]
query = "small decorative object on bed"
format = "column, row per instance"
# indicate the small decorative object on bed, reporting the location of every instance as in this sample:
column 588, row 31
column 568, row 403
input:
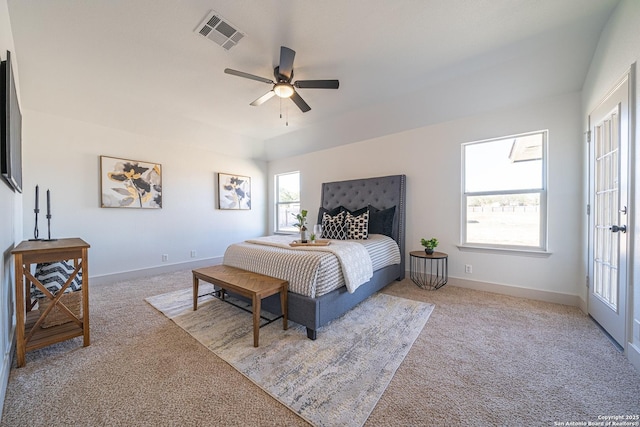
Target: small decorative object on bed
column 234, row 192
column 317, row 232
column 317, row 242
column 130, row 183
column 429, row 245
column 301, row 225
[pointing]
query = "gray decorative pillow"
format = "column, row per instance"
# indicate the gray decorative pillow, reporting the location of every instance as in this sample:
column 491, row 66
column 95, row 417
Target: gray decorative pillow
column 381, row 221
column 358, row 225
column 334, row 227
column 53, row 275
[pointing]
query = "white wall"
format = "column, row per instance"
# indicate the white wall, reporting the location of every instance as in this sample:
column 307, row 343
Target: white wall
column 499, row 79
column 431, row 158
column 63, row 155
column 618, row 48
column 10, row 232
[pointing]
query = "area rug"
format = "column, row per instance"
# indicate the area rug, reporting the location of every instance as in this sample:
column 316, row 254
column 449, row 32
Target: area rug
column 335, row 380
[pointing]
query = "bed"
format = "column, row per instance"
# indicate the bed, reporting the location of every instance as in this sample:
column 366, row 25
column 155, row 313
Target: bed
column 385, row 199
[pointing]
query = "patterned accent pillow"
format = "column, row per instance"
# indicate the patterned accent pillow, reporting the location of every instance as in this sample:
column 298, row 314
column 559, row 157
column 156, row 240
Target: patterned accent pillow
column 334, row 227
column 53, row 275
column 331, row 212
column 358, row 224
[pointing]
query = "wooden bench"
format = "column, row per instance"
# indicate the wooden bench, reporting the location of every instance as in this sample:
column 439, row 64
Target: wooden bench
column 248, row 284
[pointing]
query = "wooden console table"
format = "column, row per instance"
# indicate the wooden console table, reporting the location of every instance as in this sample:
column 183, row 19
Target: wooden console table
column 29, row 334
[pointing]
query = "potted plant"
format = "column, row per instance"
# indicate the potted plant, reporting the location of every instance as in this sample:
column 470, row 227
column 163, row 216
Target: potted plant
column 429, row 245
column 301, row 225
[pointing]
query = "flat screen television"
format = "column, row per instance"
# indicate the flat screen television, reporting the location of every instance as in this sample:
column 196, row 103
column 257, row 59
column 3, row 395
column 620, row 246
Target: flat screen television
column 10, row 128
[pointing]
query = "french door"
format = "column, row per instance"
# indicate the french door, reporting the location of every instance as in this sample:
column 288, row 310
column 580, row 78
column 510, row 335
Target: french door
column 609, row 170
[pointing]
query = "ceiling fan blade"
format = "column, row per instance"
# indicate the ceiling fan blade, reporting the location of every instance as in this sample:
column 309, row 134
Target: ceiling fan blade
column 264, row 98
column 300, row 102
column 317, row 84
column 286, row 62
column 247, row 75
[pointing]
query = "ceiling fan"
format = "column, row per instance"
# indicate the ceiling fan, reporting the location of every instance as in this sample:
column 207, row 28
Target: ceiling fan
column 282, row 85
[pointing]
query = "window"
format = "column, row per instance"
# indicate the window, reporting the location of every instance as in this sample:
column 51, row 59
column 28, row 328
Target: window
column 505, row 194
column 287, row 201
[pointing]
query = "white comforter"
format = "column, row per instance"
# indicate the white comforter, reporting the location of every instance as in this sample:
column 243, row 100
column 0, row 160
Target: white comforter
column 353, row 257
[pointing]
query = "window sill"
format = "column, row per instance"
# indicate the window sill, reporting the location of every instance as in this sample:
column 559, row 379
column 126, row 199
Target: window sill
column 505, row 251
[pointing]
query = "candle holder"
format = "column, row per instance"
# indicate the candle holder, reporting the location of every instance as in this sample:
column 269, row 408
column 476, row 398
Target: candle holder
column 49, row 229
column 35, row 229
column 49, row 218
column 36, row 211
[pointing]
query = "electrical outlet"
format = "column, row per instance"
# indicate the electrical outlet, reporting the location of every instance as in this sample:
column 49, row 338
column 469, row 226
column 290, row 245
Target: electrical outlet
column 468, row 268
column 165, row 257
column 193, row 254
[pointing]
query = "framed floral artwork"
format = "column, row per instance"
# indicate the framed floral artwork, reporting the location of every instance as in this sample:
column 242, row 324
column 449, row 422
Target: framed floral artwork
column 234, row 191
column 130, row 184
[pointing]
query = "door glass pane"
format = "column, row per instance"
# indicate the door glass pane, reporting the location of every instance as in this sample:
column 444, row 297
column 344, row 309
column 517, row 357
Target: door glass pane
column 606, row 211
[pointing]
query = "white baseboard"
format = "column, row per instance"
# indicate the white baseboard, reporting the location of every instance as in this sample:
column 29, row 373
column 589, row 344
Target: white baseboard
column 582, row 305
column 633, row 354
column 5, row 371
column 151, row 271
column 515, row 291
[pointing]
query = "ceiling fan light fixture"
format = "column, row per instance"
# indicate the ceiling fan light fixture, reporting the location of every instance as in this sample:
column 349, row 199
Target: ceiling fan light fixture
column 282, row 87
column 283, row 90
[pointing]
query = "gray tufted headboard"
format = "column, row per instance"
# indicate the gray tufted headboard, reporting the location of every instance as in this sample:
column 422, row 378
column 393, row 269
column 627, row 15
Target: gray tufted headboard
column 382, row 192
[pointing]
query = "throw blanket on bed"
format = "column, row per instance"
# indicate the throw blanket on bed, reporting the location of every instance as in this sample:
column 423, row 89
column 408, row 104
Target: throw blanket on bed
column 353, row 257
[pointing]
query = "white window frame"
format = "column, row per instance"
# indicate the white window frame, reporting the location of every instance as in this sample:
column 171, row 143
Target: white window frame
column 278, row 203
column 542, row 192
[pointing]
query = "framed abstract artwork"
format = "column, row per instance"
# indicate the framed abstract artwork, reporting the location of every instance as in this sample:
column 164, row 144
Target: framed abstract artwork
column 130, row 184
column 234, row 191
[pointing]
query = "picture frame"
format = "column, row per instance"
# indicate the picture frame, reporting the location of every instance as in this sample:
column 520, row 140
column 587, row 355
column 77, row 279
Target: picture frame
column 234, row 192
column 130, row 184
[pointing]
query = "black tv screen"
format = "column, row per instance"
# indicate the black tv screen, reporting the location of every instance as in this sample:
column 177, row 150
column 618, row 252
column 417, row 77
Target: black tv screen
column 10, row 128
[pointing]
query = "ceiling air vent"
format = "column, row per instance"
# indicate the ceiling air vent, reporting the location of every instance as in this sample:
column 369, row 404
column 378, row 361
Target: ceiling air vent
column 219, row 30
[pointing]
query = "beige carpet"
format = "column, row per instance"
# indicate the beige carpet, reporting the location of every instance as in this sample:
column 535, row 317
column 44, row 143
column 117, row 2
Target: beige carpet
column 483, row 360
column 335, row 380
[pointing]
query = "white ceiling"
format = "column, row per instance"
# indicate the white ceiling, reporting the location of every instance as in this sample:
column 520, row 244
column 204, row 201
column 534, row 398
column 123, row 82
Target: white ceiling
column 137, row 65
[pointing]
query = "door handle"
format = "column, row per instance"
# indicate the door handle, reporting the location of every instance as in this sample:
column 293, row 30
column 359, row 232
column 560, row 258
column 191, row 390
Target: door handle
column 615, row 228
